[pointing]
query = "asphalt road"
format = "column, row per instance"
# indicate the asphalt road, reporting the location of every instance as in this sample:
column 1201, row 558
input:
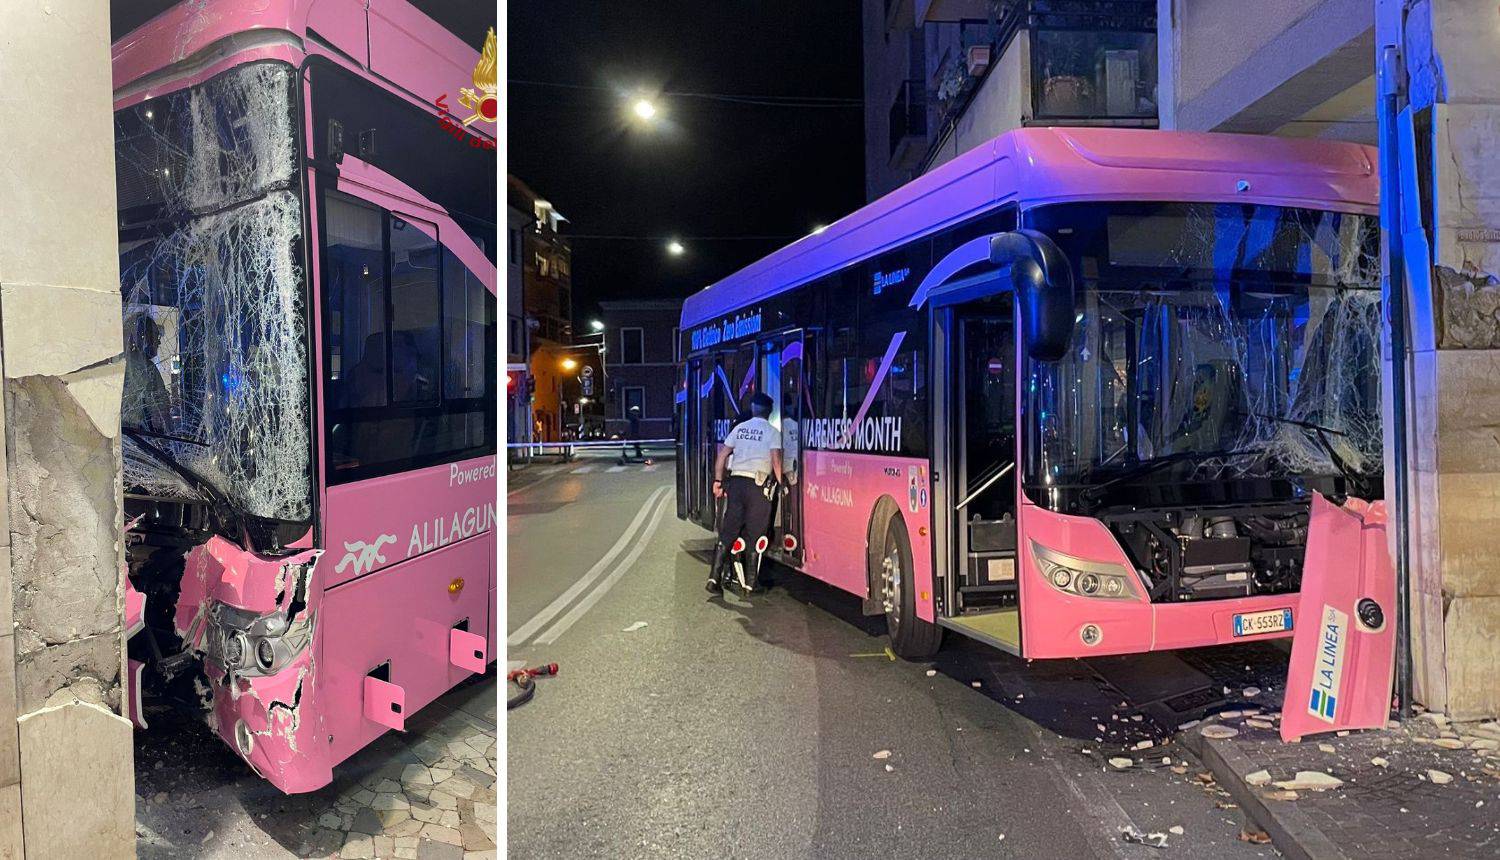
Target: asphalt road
column 776, row 726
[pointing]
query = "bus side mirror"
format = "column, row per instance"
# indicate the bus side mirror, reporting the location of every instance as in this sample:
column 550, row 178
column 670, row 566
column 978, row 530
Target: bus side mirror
column 1044, row 290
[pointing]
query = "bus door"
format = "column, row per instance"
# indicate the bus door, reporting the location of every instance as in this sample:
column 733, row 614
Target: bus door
column 975, row 348
column 781, row 376
column 689, row 467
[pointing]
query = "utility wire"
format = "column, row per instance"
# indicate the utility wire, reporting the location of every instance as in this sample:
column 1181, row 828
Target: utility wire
column 733, row 98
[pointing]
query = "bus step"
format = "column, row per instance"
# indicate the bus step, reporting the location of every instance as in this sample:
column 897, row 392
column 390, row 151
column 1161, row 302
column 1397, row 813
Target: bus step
column 985, row 598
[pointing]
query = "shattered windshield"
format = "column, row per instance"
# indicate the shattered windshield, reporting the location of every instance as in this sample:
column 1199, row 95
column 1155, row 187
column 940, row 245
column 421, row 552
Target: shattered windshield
column 216, row 386
column 1212, row 342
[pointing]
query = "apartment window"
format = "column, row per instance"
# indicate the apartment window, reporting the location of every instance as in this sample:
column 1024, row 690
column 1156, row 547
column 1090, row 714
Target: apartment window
column 515, row 246
column 1094, row 74
column 632, row 396
column 676, row 344
column 632, row 346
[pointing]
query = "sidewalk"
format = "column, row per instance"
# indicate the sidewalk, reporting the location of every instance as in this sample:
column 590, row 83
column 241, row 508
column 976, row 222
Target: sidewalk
column 1425, row 789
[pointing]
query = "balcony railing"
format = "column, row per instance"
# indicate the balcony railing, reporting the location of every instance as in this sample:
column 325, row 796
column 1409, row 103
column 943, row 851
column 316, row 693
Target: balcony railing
column 908, row 125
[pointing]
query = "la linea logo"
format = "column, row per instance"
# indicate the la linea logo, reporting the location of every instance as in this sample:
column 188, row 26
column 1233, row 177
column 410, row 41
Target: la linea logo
column 482, row 102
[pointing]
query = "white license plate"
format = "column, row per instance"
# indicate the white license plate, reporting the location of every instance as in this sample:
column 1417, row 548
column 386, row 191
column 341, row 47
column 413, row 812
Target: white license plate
column 1256, row 623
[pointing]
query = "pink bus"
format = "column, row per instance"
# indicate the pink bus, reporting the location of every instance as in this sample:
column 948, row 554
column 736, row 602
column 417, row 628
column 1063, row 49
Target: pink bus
column 1072, row 393
column 307, row 267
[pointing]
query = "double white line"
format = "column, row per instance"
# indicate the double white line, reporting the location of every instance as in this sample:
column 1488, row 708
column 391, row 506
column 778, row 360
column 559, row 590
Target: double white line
column 631, row 544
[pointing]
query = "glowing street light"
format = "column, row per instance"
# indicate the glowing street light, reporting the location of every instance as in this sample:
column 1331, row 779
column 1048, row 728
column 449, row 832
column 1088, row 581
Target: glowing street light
column 644, row 109
column 675, row 248
column 596, row 325
column 569, row 364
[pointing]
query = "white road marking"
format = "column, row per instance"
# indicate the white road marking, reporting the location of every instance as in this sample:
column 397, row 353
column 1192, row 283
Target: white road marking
column 583, row 470
column 541, row 618
column 615, row 469
column 625, row 564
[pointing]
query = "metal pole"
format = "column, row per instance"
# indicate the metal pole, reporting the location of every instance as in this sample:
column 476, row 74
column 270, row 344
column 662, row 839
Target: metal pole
column 1391, row 89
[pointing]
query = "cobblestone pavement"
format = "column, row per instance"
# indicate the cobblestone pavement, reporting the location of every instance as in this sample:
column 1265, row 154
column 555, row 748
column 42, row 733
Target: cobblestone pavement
column 424, row 794
column 1425, row 788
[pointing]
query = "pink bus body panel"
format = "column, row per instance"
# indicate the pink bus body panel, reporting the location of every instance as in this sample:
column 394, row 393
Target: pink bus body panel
column 371, row 525
column 1341, row 671
column 839, row 494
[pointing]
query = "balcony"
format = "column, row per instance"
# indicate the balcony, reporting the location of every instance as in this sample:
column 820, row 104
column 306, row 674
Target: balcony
column 908, row 125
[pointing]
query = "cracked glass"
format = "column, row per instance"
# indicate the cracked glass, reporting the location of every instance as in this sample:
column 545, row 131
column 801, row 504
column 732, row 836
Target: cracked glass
column 211, row 276
column 1219, row 341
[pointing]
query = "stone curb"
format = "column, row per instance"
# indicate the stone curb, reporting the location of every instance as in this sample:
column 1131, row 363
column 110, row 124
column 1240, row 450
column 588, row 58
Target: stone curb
column 1292, row 832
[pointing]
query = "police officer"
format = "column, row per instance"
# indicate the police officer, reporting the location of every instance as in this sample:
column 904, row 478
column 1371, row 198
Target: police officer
column 751, row 456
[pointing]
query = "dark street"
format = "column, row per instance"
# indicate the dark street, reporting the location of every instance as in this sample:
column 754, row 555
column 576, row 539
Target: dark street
column 777, row 726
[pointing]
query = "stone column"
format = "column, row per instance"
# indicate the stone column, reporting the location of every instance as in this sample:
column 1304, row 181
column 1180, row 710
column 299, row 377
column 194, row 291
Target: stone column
column 1451, row 53
column 66, row 769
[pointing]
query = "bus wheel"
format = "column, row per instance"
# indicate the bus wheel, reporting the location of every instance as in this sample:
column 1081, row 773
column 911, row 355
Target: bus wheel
column 891, row 573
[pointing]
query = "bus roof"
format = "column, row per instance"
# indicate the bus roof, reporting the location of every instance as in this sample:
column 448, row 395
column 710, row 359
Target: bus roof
column 394, row 39
column 1052, row 165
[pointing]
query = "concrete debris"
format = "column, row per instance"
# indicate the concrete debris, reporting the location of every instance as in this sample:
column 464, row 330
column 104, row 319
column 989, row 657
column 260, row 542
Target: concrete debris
column 1187, row 725
column 1120, row 762
column 1259, row 778
column 1257, row 723
column 1136, row 837
column 1217, row 732
column 1166, row 760
column 889, row 769
column 974, row 684
column 1255, row 837
column 1379, row 762
column 931, row 672
column 883, row 754
column 1439, row 778
column 1310, row 780
column 1176, row 830
column 1342, row 734
column 1484, row 744
column 1229, row 715
column 1328, row 748
column 1250, row 692
column 634, row 627
column 1445, row 743
column 1437, row 719
column 1144, row 745
column 1281, row 794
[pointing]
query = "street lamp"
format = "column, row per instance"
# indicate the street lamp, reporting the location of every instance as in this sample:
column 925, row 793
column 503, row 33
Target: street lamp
column 675, row 248
column 596, row 325
column 644, row 109
column 569, row 364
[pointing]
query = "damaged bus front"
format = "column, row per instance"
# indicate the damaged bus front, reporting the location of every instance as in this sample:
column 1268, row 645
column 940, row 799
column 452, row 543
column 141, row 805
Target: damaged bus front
column 310, row 339
column 216, row 414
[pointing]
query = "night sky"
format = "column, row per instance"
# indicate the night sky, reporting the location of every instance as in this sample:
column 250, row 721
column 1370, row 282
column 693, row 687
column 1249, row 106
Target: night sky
column 707, row 167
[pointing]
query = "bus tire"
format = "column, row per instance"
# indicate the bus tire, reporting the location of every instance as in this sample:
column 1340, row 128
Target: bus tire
column 890, row 568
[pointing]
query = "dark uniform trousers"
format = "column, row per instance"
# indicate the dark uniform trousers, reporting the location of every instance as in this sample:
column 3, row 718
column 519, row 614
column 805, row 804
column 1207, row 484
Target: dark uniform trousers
column 744, row 530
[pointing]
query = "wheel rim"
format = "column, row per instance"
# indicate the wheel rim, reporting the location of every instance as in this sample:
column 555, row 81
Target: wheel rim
column 891, row 579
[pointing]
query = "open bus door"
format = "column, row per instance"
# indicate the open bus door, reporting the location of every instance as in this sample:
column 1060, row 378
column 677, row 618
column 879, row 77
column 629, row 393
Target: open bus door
column 974, row 364
column 782, row 376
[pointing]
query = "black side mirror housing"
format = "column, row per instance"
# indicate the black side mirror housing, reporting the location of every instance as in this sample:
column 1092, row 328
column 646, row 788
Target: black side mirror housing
column 1044, row 290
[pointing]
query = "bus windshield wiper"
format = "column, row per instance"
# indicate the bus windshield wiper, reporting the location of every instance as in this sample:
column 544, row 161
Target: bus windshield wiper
column 1320, row 432
column 1145, row 468
column 224, row 509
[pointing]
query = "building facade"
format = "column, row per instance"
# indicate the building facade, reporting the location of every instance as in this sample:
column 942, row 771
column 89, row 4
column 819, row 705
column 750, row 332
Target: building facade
column 641, row 356
column 944, row 76
column 517, row 334
column 546, row 264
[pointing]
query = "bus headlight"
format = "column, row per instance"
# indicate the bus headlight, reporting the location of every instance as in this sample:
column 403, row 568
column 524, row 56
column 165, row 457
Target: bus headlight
column 253, row 644
column 1082, row 578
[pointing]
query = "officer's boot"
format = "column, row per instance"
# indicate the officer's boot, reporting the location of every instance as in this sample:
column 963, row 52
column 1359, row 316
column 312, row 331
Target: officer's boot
column 715, row 582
